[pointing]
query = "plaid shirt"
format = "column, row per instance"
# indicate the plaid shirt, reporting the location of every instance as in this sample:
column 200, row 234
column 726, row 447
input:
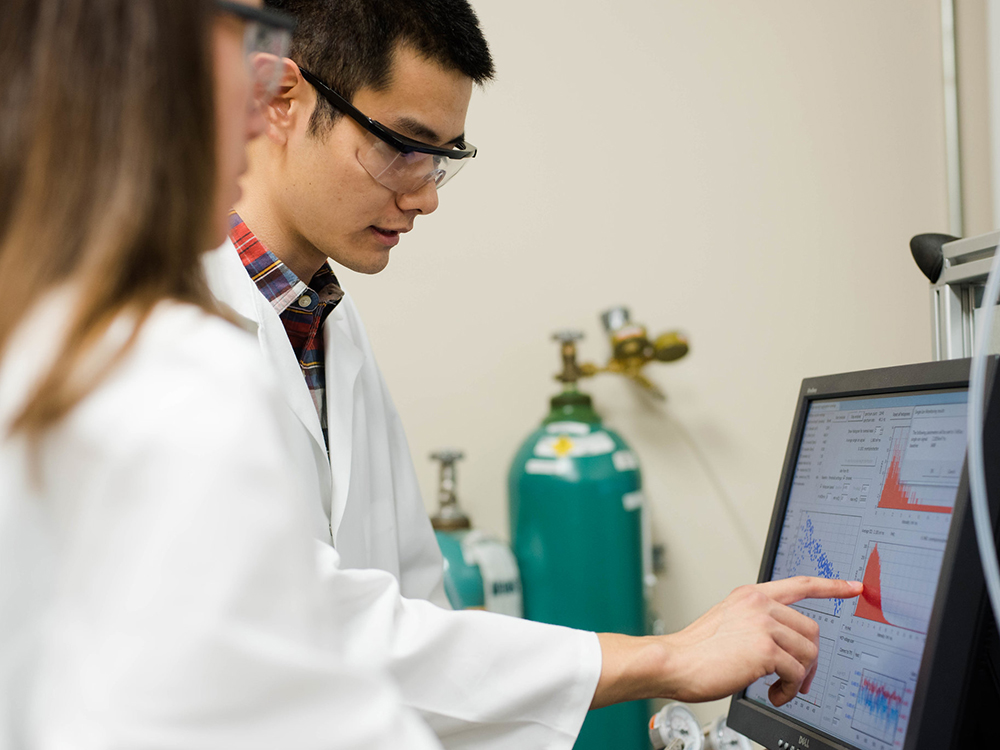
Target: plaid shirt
column 302, row 307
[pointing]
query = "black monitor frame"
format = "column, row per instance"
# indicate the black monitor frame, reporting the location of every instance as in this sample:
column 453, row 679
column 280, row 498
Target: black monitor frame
column 957, row 684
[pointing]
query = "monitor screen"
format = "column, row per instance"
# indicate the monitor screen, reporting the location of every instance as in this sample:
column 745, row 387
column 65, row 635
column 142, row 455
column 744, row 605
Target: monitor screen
column 871, row 498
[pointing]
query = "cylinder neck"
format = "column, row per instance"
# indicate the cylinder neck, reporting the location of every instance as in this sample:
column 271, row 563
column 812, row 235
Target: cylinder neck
column 572, row 406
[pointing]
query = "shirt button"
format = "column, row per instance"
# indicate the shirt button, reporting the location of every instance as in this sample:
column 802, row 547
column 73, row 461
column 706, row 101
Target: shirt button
column 305, row 301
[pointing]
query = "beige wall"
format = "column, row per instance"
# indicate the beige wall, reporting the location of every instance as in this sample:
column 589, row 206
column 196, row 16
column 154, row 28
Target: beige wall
column 750, row 171
column 973, row 67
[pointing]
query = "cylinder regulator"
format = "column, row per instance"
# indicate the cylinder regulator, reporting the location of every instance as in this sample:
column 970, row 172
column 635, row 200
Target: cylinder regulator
column 578, row 528
column 675, row 727
column 480, row 571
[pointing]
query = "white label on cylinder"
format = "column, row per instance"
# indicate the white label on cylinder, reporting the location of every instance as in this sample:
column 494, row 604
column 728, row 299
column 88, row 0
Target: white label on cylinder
column 568, row 428
column 498, row 568
column 545, row 466
column 632, row 500
column 558, row 446
column 625, row 461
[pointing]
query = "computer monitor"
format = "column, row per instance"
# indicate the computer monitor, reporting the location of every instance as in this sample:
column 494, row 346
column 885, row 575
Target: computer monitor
column 874, row 489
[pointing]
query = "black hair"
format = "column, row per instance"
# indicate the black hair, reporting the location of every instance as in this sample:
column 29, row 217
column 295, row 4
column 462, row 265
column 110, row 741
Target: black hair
column 349, row 44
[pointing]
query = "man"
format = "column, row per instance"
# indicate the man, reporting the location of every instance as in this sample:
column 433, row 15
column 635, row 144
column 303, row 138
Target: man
column 310, row 197
column 369, row 123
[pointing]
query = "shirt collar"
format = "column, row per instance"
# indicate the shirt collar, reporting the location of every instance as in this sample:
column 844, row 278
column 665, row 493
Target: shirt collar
column 276, row 281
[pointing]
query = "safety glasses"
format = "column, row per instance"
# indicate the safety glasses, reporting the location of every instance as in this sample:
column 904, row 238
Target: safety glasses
column 401, row 164
column 266, row 37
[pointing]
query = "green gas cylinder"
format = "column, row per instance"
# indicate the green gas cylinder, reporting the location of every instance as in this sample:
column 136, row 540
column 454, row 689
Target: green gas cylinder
column 480, row 571
column 576, row 525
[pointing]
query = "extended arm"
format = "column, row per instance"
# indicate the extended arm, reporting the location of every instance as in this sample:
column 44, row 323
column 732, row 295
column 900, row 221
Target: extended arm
column 750, row 634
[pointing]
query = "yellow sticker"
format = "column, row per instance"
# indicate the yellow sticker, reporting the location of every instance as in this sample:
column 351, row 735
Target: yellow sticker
column 562, row 446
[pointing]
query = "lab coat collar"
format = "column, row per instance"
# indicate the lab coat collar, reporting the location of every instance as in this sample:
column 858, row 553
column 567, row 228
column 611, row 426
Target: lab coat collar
column 229, row 289
column 234, row 287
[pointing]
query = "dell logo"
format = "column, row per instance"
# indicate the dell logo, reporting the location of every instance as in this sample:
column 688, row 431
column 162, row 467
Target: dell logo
column 810, row 390
column 803, row 741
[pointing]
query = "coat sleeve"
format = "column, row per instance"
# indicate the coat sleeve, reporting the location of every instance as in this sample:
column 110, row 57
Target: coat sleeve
column 187, row 610
column 480, row 680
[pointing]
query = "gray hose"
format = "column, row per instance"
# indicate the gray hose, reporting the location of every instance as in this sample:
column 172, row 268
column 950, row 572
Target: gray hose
column 977, row 473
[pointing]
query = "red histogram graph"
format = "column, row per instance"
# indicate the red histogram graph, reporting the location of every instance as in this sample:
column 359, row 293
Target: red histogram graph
column 898, row 496
column 870, row 602
column 899, row 586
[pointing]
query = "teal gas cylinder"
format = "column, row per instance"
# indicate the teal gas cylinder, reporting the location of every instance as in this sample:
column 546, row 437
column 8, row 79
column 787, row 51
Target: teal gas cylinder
column 463, row 583
column 480, row 571
column 575, row 518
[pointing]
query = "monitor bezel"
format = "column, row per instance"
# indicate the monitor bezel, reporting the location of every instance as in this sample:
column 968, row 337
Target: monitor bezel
column 942, row 679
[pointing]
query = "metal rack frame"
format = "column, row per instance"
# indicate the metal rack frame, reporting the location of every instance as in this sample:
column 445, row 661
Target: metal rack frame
column 955, row 295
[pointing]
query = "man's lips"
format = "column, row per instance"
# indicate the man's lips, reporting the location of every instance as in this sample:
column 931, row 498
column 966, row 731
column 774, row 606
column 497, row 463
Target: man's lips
column 388, row 237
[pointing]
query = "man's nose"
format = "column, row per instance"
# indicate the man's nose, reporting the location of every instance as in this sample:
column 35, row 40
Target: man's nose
column 423, row 200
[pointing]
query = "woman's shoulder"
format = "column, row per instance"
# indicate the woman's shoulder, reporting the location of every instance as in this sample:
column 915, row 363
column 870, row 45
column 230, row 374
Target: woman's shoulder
column 179, row 365
column 185, row 360
column 184, row 338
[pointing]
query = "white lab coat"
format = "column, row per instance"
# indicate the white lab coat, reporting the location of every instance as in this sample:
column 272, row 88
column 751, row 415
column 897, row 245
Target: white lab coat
column 480, row 680
column 156, row 587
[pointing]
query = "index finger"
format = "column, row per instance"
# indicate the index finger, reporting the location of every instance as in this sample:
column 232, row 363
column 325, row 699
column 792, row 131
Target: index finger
column 791, row 590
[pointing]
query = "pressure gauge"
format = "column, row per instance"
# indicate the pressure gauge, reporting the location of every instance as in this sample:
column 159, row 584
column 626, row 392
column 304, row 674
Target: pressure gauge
column 721, row 737
column 676, row 728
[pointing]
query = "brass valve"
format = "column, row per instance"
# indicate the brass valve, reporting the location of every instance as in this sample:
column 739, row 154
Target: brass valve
column 631, row 351
column 572, row 371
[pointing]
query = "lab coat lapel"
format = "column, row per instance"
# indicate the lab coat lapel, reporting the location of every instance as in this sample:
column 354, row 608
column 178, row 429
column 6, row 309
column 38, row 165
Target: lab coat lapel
column 343, row 363
column 274, row 341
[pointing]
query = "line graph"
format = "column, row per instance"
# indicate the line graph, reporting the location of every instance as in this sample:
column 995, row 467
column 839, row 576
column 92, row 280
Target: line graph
column 824, row 546
column 815, row 695
column 879, row 703
column 899, row 496
column 900, row 583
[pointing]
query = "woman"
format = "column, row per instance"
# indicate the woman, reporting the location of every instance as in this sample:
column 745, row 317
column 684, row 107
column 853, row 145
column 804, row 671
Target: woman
column 134, row 611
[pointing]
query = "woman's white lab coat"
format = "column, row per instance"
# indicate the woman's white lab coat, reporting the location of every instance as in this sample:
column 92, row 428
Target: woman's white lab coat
column 480, row 680
column 156, row 588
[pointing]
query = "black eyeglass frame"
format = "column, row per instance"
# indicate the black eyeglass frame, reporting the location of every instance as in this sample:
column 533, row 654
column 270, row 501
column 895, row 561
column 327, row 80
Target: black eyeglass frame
column 397, row 140
column 273, row 18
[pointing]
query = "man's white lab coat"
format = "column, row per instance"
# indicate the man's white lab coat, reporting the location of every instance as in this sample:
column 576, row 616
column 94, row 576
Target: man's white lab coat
column 481, row 680
column 156, row 584
column 365, row 494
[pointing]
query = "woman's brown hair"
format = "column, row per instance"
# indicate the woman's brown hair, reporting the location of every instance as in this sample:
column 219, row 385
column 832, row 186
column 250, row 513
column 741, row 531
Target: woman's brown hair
column 107, row 172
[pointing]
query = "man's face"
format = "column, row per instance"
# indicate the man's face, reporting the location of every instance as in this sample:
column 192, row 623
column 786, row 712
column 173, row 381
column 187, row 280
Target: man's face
column 331, row 203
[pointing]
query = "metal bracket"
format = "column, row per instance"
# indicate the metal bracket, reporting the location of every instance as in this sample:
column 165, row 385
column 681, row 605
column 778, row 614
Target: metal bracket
column 957, row 294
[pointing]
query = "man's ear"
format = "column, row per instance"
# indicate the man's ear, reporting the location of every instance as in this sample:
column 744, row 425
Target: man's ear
column 295, row 99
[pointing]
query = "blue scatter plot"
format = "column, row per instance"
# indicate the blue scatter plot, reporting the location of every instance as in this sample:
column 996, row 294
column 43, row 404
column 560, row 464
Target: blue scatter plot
column 809, row 547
